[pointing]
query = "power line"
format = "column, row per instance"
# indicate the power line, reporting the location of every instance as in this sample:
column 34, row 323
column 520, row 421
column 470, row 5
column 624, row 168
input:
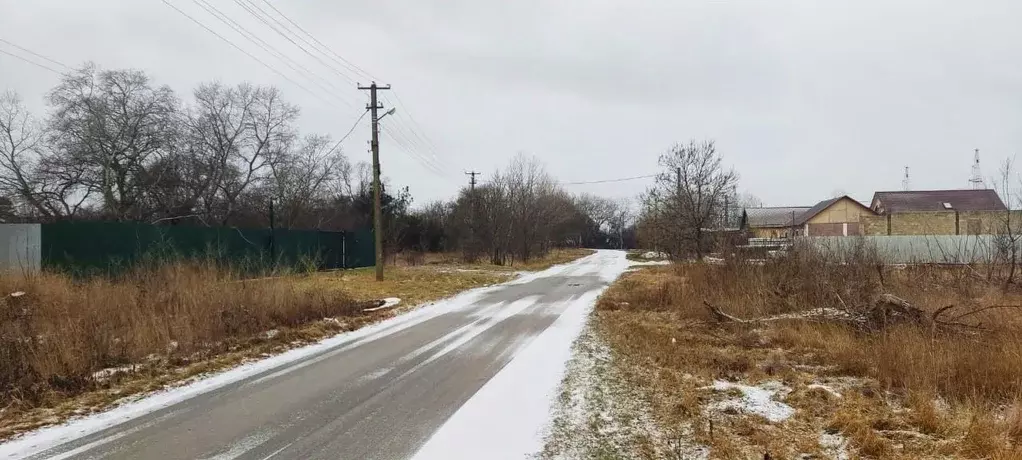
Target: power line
column 290, row 63
column 401, row 130
column 416, row 129
column 344, row 62
column 414, row 135
column 31, row 62
column 408, row 150
column 248, row 6
column 35, row 54
column 221, row 37
column 353, row 126
column 623, row 179
column 403, row 147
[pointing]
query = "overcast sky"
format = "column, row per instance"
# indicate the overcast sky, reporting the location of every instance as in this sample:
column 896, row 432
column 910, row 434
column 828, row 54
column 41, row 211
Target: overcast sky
column 804, row 98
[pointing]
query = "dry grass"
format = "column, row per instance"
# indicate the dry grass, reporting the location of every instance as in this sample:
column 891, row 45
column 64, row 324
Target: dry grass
column 413, row 285
column 455, row 259
column 906, row 392
column 165, row 325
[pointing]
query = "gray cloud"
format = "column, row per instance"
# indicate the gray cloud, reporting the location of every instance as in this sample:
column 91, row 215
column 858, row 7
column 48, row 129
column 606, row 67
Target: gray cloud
column 803, row 97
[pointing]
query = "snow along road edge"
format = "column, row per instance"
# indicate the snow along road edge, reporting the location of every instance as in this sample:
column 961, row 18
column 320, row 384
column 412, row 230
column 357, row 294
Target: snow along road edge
column 509, row 416
column 133, row 407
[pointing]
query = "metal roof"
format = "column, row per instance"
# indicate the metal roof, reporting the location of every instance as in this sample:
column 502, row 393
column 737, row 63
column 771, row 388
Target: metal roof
column 819, row 207
column 933, row 200
column 774, row 217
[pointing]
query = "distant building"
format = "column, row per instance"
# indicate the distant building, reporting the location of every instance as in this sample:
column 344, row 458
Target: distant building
column 937, row 200
column 832, row 217
column 838, row 216
column 772, row 222
column 935, row 212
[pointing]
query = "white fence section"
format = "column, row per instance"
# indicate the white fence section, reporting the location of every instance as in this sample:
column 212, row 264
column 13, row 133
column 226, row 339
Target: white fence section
column 907, row 249
column 20, row 247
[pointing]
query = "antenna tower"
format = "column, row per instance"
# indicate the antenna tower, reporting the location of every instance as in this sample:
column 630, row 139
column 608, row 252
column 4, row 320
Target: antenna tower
column 976, row 180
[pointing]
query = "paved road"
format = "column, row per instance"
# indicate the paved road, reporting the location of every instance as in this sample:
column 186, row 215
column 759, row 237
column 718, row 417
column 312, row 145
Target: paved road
column 378, row 398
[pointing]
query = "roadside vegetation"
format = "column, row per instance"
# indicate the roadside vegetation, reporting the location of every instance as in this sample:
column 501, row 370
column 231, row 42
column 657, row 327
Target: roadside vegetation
column 805, row 356
column 73, row 346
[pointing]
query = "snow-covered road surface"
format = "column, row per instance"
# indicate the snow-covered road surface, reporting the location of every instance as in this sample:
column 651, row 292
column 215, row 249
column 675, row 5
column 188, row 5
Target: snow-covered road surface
column 470, row 377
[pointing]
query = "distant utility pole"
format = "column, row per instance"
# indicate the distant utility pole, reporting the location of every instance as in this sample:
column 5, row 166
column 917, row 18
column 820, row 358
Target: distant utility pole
column 905, row 184
column 472, row 215
column 373, row 106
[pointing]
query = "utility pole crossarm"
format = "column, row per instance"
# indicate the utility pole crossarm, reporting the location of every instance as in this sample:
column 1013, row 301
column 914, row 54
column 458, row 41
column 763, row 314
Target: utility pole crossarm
column 373, row 107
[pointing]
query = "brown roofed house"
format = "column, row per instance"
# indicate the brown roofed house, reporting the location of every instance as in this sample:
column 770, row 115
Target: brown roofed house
column 937, row 200
column 935, row 212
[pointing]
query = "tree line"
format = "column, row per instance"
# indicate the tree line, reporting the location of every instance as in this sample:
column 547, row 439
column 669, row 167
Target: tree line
column 115, row 145
column 519, row 213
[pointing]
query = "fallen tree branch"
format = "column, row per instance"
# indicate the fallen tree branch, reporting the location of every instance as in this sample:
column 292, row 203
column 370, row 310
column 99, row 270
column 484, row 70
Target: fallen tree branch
column 722, row 317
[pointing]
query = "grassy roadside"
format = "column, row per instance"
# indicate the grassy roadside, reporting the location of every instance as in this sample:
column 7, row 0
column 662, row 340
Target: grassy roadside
column 816, row 389
column 71, row 349
column 554, row 257
column 76, row 347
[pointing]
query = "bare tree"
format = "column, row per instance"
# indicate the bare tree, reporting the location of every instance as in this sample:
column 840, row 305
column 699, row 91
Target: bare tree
column 302, row 178
column 238, row 134
column 112, row 124
column 1008, row 234
column 21, row 141
column 689, row 196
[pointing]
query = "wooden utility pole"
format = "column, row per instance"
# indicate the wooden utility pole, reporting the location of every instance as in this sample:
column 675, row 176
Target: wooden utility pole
column 373, row 107
column 472, row 216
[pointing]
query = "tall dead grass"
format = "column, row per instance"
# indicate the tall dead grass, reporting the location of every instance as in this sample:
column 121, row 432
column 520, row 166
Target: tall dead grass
column 57, row 332
column 981, row 366
column 961, row 388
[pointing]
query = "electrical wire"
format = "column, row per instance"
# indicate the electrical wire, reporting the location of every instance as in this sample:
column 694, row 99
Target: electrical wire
column 403, row 142
column 31, row 62
column 353, row 126
column 248, row 6
column 623, row 179
column 348, row 64
column 290, row 63
column 399, row 129
column 411, row 153
column 413, row 132
column 221, row 37
column 36, row 54
column 415, row 129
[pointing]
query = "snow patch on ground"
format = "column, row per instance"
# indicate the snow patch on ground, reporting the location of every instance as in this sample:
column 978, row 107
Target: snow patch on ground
column 757, row 400
column 505, row 418
column 600, row 416
column 826, row 388
column 654, row 255
column 104, row 374
column 651, row 262
column 387, row 303
column 835, row 446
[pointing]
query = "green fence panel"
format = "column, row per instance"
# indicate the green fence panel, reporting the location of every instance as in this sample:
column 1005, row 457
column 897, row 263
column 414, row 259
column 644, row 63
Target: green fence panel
column 359, row 249
column 106, row 247
column 332, row 244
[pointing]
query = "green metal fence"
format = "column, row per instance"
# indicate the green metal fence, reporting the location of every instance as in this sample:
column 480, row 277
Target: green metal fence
column 100, row 246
